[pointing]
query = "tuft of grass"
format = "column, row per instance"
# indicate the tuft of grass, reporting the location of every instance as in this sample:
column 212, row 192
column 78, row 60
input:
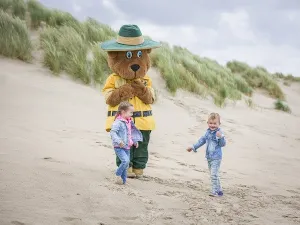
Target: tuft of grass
column 237, row 67
column 14, row 7
column 59, row 18
column 249, row 103
column 280, row 105
column 100, row 68
column 38, row 13
column 53, row 55
column 182, row 69
column 287, row 83
column 174, row 73
column 14, row 36
column 257, row 77
column 97, row 32
column 65, row 49
column 288, row 77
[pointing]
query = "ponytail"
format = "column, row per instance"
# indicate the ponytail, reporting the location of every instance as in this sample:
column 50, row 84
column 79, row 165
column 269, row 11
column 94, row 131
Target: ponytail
column 117, row 114
column 122, row 107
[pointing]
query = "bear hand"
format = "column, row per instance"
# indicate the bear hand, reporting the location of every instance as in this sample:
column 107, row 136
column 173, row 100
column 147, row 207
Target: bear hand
column 126, row 92
column 142, row 92
column 123, row 93
column 139, row 88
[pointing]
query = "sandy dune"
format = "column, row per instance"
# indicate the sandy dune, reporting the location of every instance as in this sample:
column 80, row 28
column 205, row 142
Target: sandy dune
column 57, row 164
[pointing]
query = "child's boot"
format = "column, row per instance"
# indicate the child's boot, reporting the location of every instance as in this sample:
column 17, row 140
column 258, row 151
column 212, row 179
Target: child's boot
column 130, row 173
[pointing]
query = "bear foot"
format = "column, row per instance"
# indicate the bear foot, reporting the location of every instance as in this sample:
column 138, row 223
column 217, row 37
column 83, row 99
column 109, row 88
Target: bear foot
column 130, row 173
column 138, row 173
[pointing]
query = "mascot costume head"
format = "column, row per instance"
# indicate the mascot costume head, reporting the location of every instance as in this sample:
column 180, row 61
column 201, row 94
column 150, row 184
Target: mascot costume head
column 128, row 58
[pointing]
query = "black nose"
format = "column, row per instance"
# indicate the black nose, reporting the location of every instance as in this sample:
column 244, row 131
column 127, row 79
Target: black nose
column 135, row 67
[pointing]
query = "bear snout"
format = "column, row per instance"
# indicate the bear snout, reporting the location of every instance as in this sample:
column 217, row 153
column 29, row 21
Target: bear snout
column 135, row 67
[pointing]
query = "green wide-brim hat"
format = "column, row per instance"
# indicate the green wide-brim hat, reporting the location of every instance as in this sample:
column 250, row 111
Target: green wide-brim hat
column 129, row 38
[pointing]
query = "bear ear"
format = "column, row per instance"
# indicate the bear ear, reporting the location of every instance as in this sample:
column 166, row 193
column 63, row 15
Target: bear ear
column 112, row 54
column 149, row 51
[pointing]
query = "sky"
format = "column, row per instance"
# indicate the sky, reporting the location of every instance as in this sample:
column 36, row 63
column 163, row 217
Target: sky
column 261, row 33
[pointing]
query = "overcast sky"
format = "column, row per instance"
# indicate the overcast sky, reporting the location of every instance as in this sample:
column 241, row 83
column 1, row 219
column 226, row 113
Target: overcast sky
column 259, row 32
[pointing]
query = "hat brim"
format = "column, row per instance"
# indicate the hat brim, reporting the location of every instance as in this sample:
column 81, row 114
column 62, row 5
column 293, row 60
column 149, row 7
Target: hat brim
column 112, row 45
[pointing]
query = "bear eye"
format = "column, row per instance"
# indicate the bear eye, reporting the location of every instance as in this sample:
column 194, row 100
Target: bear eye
column 129, row 55
column 139, row 54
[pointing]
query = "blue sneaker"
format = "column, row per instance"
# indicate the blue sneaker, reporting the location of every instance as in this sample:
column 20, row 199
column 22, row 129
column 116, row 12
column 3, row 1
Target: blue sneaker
column 124, row 179
column 213, row 195
column 218, row 194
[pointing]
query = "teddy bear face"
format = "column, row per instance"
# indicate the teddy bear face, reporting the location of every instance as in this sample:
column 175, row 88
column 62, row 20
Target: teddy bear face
column 130, row 65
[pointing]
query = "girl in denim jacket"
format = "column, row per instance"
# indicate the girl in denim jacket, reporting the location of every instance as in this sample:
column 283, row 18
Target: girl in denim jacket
column 124, row 134
column 214, row 140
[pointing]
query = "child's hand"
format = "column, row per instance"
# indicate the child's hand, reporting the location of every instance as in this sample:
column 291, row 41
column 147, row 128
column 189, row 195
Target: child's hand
column 219, row 134
column 189, row 149
column 122, row 145
column 136, row 145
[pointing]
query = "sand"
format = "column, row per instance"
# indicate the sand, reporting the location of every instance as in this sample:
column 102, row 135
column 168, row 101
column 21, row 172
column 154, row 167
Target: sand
column 57, row 164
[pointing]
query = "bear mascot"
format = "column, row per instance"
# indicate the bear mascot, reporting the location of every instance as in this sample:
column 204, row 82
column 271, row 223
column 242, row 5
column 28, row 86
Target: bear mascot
column 128, row 58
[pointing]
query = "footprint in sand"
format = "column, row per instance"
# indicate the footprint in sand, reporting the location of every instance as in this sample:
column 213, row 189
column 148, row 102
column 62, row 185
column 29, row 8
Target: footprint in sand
column 168, row 218
column 125, row 218
column 199, row 170
column 293, row 191
column 50, row 159
column 69, row 219
column 103, row 145
column 17, row 223
column 181, row 163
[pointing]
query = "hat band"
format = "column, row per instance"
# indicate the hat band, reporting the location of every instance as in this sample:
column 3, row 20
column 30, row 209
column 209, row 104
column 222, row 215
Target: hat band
column 130, row 40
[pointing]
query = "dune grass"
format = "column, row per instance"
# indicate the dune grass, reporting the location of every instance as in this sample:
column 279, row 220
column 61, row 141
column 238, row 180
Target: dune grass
column 182, row 69
column 66, row 42
column 257, row 77
column 66, row 49
column 280, row 105
column 14, row 36
column 39, row 13
column 14, row 7
column 288, row 78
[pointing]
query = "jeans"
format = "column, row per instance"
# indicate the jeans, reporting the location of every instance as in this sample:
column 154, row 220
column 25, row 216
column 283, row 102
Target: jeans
column 214, row 166
column 124, row 156
column 139, row 156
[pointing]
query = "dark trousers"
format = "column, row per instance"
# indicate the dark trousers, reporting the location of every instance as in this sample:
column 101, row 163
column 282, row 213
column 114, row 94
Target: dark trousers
column 139, row 156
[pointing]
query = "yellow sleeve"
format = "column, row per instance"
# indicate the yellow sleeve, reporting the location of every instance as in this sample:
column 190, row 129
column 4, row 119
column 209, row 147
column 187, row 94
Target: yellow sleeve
column 109, row 87
column 149, row 85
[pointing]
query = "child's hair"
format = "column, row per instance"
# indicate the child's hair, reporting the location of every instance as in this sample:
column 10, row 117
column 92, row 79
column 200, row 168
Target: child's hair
column 214, row 116
column 123, row 107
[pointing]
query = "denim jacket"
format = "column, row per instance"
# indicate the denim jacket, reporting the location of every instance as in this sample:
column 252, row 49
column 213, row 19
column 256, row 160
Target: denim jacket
column 214, row 144
column 119, row 133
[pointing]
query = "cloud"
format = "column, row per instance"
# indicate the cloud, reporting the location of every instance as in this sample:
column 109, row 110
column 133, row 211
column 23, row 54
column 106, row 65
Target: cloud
column 241, row 42
column 76, row 8
column 112, row 7
column 176, row 35
column 259, row 33
column 238, row 24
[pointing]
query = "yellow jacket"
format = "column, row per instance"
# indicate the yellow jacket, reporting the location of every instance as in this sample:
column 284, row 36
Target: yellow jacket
column 143, row 113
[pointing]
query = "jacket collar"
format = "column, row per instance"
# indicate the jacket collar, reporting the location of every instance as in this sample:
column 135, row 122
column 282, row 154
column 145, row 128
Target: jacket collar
column 124, row 120
column 213, row 131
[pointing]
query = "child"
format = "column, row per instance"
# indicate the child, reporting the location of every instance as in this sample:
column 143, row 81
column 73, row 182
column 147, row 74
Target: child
column 214, row 140
column 124, row 134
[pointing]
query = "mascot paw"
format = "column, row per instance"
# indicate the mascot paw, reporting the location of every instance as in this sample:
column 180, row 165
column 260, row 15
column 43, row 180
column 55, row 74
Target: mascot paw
column 138, row 87
column 130, row 173
column 126, row 92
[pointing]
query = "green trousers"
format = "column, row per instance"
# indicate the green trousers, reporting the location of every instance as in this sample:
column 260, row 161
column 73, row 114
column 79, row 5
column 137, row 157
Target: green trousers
column 139, row 156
